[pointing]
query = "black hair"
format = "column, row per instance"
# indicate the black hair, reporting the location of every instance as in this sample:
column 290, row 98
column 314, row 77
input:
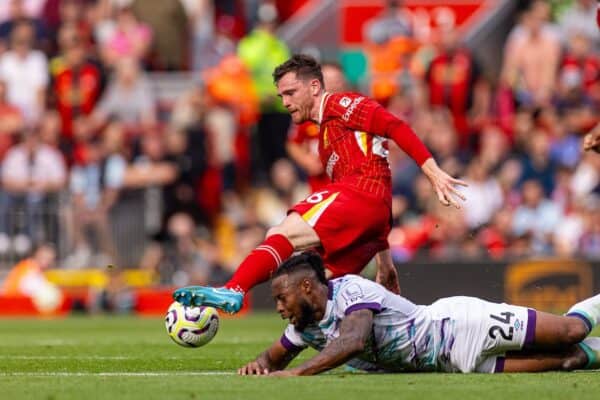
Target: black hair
column 304, row 66
column 308, row 261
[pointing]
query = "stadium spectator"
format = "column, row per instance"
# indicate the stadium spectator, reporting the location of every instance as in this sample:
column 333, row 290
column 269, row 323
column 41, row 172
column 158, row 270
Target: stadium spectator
column 537, row 163
column 536, row 216
column 17, row 14
column 211, row 37
column 581, row 17
column 33, row 173
column 185, row 258
column 392, row 23
column 25, row 72
column 128, row 98
column 169, row 23
column 149, row 173
column 261, row 51
column 589, row 242
column 285, row 190
column 454, row 81
column 484, row 194
column 76, row 83
column 95, row 185
column 186, row 151
column 532, row 81
column 389, row 46
column 129, row 39
column 11, row 122
column 579, row 74
column 27, row 278
column 59, row 13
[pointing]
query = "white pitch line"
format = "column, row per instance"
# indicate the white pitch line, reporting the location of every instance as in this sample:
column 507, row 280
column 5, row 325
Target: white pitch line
column 50, row 357
column 21, row 357
column 116, row 374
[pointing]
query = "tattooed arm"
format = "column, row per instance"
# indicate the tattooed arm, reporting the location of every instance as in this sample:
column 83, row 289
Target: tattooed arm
column 354, row 332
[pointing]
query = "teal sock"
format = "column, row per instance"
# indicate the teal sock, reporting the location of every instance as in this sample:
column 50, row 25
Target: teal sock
column 591, row 348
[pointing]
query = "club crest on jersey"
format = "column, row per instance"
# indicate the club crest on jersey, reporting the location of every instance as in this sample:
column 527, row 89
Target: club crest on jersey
column 345, row 101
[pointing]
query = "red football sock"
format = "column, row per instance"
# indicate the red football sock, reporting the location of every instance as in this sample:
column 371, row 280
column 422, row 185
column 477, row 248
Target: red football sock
column 261, row 263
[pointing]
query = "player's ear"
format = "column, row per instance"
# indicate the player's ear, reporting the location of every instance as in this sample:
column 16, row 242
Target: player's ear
column 315, row 87
column 306, row 285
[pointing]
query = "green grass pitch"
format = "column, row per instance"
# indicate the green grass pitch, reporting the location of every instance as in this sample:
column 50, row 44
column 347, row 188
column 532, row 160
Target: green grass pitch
column 132, row 358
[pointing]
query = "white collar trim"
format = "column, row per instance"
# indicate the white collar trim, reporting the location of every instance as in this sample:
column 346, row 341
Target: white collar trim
column 322, row 106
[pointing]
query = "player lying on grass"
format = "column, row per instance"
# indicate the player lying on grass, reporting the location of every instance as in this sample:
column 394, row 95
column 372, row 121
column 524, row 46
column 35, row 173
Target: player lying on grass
column 351, row 320
column 348, row 221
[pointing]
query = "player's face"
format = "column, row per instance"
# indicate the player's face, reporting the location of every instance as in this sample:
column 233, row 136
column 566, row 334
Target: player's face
column 291, row 303
column 298, row 95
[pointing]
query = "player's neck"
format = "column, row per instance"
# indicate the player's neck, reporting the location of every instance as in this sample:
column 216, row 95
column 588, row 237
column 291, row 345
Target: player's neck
column 316, row 114
column 320, row 302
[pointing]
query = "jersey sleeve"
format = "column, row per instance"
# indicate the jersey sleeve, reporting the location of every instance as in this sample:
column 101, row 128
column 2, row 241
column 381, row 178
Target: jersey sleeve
column 292, row 340
column 361, row 113
column 359, row 294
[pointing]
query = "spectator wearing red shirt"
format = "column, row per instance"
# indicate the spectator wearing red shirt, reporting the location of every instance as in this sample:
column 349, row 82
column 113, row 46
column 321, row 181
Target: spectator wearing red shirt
column 580, row 69
column 454, row 81
column 11, row 121
column 76, row 82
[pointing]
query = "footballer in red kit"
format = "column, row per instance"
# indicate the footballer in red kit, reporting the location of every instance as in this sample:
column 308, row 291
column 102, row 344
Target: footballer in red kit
column 349, row 220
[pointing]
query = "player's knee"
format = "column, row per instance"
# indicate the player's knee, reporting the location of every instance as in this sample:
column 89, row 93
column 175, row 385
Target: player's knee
column 275, row 230
column 574, row 331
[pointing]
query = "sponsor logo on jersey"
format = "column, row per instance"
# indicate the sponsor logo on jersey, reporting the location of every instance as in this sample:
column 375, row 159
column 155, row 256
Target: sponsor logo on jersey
column 350, row 110
column 345, row 101
column 333, row 159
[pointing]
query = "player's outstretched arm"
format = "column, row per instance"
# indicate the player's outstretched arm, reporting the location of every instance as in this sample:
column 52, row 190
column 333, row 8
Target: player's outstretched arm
column 385, row 124
column 354, row 332
column 387, row 276
column 275, row 358
column 443, row 184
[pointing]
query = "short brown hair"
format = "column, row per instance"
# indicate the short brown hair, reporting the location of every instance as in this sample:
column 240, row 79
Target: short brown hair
column 305, row 67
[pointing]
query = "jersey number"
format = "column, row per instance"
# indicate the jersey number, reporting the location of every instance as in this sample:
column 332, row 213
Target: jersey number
column 316, row 197
column 497, row 329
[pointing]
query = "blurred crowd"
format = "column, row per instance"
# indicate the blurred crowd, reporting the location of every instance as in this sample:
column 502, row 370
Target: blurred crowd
column 92, row 154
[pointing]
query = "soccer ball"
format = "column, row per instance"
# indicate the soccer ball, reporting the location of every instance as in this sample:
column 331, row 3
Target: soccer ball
column 191, row 326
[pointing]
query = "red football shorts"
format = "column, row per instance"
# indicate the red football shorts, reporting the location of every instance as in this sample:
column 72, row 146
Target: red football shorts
column 352, row 226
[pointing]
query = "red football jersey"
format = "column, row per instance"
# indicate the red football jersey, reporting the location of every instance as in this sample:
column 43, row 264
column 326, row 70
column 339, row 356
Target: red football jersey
column 351, row 152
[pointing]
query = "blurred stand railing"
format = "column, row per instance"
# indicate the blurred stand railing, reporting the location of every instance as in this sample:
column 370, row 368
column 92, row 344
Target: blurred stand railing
column 27, row 222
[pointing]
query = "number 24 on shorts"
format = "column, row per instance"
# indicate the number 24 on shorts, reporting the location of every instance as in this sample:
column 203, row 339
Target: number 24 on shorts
column 496, row 330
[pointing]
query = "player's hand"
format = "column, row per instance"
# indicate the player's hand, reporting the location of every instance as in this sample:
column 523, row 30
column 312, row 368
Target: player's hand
column 286, row 373
column 591, row 141
column 388, row 278
column 443, row 184
column 253, row 368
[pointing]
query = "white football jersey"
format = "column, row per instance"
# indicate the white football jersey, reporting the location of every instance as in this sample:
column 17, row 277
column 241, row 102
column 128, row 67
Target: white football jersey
column 453, row 334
